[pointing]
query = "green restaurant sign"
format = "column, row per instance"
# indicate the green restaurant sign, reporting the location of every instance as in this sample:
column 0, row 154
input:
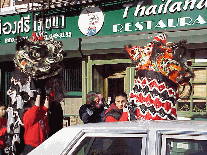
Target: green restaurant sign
column 132, row 18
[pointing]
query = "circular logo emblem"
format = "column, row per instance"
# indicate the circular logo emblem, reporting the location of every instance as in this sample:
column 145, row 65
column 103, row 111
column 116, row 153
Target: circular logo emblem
column 91, row 21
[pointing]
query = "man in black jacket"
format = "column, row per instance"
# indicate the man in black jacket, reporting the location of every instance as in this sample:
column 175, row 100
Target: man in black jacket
column 93, row 111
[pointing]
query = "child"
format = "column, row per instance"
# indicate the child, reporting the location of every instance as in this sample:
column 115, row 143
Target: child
column 3, row 127
column 117, row 110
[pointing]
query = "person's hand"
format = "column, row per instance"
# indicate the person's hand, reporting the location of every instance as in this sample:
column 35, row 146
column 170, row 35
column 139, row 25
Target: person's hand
column 38, row 91
column 37, row 101
column 92, row 107
column 125, row 109
column 90, row 112
column 47, row 102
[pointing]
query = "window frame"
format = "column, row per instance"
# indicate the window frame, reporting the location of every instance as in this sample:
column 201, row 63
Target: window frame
column 191, row 113
column 71, row 148
column 68, row 80
column 163, row 135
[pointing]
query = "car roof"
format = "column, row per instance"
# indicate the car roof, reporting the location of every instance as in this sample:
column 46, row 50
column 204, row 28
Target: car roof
column 146, row 124
column 62, row 138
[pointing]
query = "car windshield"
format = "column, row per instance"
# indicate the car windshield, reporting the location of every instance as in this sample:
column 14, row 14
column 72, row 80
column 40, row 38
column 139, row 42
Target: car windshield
column 110, row 145
column 186, row 147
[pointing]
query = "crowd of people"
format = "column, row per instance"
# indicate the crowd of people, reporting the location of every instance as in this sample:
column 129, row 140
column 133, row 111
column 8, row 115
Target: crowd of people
column 36, row 124
column 96, row 110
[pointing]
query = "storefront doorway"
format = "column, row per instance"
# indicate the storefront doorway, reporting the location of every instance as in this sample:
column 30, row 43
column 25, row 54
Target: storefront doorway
column 109, row 78
column 114, row 85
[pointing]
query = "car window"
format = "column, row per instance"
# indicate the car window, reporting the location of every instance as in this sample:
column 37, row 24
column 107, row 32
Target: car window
column 110, row 145
column 174, row 142
column 186, row 147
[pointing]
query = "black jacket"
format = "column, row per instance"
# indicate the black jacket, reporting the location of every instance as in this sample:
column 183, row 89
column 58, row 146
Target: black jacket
column 89, row 115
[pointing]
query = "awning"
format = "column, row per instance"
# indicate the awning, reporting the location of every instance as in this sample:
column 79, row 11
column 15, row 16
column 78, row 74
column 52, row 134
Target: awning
column 114, row 44
column 108, row 42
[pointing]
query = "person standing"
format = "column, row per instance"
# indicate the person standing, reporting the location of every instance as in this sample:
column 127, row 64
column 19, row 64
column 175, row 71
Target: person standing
column 55, row 117
column 117, row 110
column 36, row 126
column 3, row 127
column 93, row 111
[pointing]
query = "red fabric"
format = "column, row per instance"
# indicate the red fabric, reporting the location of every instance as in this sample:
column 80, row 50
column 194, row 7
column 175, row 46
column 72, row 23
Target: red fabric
column 3, row 130
column 124, row 116
column 150, row 105
column 52, row 94
column 34, row 37
column 34, row 119
column 158, row 38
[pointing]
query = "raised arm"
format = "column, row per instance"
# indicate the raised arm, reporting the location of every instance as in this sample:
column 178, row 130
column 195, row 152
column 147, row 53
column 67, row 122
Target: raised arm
column 86, row 114
column 35, row 113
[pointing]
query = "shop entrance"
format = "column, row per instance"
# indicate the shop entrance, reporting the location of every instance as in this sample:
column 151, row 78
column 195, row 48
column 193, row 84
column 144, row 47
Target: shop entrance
column 109, row 78
column 114, row 85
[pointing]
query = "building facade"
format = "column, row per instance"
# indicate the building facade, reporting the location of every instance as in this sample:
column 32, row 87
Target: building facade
column 94, row 34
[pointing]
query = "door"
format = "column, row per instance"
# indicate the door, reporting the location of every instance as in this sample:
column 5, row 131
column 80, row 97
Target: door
column 114, row 85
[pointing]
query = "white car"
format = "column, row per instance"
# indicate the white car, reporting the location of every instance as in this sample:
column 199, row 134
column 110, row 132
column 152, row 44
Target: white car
column 128, row 138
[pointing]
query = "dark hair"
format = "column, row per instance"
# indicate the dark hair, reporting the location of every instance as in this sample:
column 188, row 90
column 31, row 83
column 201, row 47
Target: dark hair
column 118, row 94
column 97, row 92
column 29, row 104
column 2, row 104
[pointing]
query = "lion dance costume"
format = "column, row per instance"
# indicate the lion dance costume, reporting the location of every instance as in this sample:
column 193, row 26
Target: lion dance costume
column 37, row 65
column 160, row 69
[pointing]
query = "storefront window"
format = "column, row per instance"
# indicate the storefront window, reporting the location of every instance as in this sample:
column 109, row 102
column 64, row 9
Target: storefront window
column 72, row 79
column 196, row 103
column 183, row 105
column 199, row 105
column 186, row 146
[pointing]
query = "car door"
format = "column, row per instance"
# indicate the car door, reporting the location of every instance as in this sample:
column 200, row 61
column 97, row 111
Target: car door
column 105, row 142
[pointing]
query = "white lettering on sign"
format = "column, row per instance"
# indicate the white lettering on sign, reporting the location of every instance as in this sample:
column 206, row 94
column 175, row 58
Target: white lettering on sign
column 126, row 9
column 139, row 26
column 50, row 36
column 22, row 25
column 50, row 22
column 164, row 8
column 12, row 40
column 59, row 35
column 16, row 27
column 117, row 28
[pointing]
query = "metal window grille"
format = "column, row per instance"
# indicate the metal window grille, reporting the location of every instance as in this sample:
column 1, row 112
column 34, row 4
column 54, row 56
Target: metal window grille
column 72, row 79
